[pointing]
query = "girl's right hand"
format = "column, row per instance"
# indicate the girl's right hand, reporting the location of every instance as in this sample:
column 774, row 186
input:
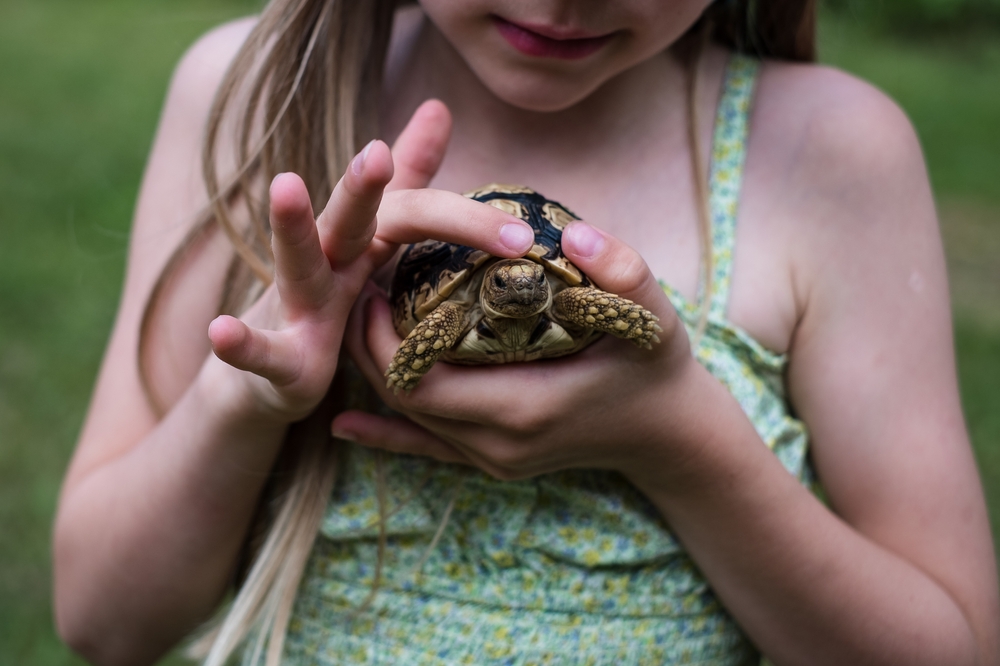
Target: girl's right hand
column 288, row 342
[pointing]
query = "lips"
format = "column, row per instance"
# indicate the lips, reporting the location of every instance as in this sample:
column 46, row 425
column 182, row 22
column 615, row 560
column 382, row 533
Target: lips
column 561, row 44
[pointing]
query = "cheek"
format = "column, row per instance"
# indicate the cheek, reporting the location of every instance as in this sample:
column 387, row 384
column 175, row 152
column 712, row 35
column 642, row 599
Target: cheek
column 641, row 29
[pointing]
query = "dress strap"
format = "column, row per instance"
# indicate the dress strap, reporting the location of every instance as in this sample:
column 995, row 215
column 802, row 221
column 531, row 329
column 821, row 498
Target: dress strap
column 732, row 124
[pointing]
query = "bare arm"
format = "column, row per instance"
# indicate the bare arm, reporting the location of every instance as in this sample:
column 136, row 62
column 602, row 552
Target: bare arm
column 113, row 517
column 900, row 568
column 153, row 511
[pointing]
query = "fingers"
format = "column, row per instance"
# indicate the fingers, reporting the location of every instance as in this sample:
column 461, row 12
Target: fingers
column 347, row 224
column 399, row 435
column 411, row 216
column 301, row 269
column 253, row 350
column 373, row 341
column 420, row 148
column 613, row 266
column 356, row 332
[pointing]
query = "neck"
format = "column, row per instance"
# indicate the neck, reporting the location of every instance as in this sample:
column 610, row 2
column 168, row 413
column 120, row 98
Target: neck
column 512, row 334
column 491, row 137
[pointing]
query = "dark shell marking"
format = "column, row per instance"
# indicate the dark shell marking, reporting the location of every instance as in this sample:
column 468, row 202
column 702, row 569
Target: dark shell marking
column 428, row 272
column 432, row 273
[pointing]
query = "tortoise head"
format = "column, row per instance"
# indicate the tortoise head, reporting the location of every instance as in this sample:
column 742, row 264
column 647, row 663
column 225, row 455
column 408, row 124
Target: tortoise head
column 515, row 288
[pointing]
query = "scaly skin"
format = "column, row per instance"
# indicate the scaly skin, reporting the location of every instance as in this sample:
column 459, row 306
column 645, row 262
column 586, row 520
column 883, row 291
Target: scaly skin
column 425, row 344
column 588, row 307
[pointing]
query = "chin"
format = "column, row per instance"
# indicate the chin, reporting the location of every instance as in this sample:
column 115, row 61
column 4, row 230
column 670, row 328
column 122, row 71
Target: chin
column 537, row 91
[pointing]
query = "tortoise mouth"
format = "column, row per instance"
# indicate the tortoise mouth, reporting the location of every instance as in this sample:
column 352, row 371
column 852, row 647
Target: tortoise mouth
column 515, row 288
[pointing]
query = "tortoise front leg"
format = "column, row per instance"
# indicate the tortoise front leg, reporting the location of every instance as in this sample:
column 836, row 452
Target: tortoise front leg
column 424, row 345
column 592, row 308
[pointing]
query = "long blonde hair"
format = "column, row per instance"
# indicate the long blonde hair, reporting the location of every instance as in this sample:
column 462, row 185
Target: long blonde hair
column 303, row 90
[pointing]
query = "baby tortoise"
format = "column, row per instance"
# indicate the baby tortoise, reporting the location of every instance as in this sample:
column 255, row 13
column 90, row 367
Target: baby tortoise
column 467, row 306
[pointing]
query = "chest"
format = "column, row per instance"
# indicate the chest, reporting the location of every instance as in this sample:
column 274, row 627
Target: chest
column 647, row 199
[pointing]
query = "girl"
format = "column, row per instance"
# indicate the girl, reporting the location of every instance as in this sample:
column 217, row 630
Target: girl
column 617, row 506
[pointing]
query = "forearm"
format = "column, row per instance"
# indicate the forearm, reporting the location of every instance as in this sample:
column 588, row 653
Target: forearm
column 807, row 587
column 145, row 544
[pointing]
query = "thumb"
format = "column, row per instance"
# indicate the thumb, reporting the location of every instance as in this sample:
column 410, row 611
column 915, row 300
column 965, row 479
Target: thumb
column 613, row 266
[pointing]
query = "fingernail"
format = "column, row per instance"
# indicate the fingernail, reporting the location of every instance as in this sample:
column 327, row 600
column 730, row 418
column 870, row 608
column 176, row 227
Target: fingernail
column 517, row 237
column 344, row 435
column 277, row 178
column 358, row 163
column 584, row 239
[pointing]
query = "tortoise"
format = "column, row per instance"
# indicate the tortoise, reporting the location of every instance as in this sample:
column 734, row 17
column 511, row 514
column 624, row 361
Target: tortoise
column 462, row 305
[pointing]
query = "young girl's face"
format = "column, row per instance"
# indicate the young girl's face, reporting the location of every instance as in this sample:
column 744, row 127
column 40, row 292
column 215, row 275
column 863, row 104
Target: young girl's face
column 546, row 55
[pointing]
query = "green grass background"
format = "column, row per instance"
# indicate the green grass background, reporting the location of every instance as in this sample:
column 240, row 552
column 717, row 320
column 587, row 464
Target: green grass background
column 80, row 89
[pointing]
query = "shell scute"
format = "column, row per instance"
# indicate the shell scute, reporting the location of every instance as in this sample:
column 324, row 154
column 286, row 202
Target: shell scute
column 429, row 273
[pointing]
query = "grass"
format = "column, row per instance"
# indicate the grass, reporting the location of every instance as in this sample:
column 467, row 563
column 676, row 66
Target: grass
column 80, row 89
column 950, row 87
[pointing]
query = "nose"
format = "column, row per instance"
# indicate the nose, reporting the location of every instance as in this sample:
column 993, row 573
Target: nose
column 524, row 288
column 526, row 284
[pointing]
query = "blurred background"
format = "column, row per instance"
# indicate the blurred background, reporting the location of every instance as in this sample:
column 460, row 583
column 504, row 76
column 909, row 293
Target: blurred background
column 81, row 84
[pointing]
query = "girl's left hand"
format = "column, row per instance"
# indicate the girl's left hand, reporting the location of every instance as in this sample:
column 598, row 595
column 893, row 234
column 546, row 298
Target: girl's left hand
column 609, row 406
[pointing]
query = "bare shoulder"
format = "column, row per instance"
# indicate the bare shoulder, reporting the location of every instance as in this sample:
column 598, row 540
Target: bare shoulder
column 175, row 158
column 843, row 165
column 199, row 72
column 170, row 199
column 835, row 177
column 171, row 195
column 871, row 367
column 836, row 130
column 172, row 191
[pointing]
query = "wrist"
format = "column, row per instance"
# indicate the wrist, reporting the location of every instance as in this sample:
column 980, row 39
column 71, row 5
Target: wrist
column 696, row 442
column 227, row 393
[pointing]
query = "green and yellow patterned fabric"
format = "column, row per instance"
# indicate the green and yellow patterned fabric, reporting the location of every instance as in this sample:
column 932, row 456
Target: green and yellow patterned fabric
column 575, row 567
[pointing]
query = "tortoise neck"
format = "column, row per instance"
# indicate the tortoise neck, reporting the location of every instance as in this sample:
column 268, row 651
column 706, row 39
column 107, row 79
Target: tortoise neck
column 512, row 334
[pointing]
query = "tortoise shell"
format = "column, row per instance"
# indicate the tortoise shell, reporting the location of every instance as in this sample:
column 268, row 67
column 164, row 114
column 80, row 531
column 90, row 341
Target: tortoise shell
column 432, row 272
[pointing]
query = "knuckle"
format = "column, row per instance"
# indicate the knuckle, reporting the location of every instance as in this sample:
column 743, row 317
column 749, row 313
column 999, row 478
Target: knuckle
column 407, row 207
column 531, row 417
column 420, row 164
column 302, row 271
column 505, row 462
column 630, row 271
column 414, row 202
column 506, row 457
column 262, row 346
column 254, row 351
column 531, row 423
column 511, row 456
column 484, row 216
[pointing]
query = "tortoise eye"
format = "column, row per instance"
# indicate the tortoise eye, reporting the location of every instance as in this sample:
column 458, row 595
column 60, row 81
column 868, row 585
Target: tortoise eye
column 499, row 282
